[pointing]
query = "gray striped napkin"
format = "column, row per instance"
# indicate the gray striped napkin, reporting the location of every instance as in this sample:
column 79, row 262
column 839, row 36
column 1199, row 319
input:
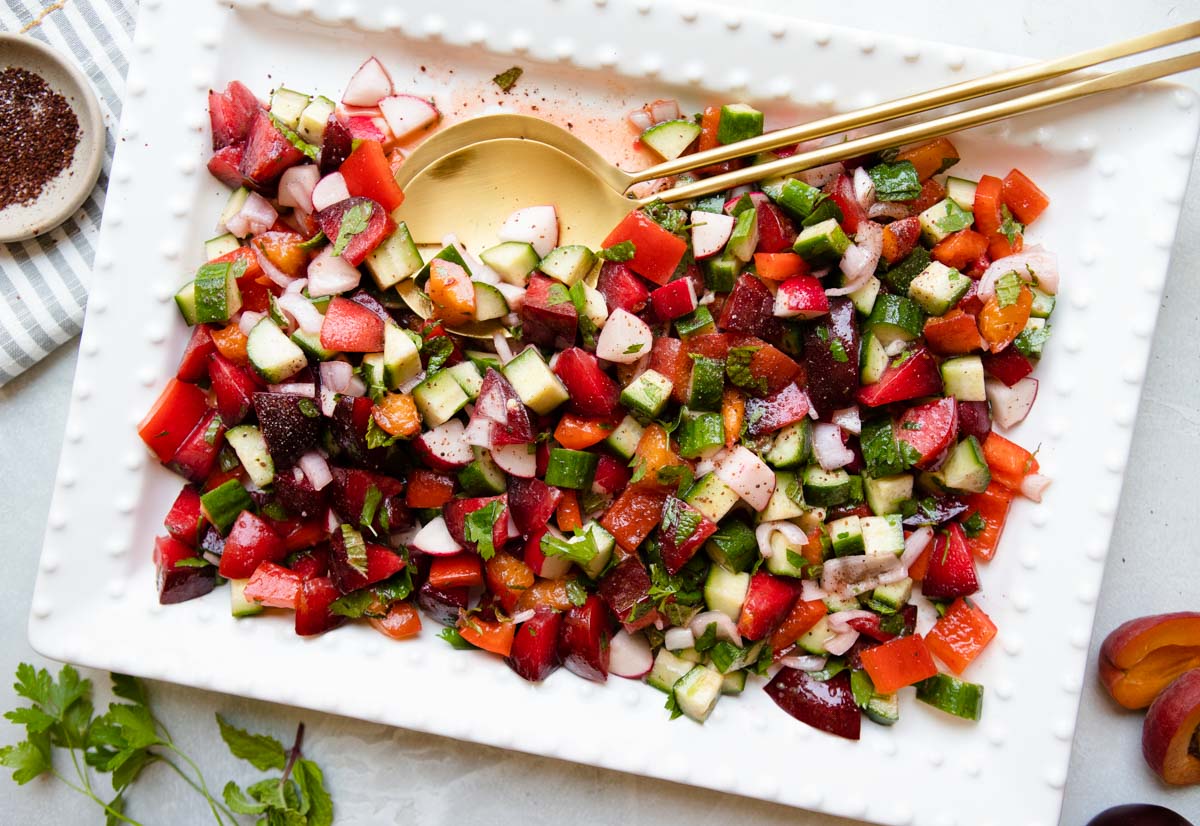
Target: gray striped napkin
column 43, row 282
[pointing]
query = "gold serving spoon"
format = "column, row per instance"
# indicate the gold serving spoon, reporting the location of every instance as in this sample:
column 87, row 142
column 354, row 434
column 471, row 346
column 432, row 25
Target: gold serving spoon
column 468, row 178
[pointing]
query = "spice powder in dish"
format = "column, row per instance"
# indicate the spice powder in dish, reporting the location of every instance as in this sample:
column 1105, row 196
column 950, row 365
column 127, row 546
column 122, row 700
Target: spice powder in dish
column 38, row 139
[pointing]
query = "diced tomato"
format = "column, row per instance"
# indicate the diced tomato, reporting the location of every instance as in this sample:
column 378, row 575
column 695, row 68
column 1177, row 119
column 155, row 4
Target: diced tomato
column 173, row 417
column 1009, row 365
column 1009, row 462
column 633, row 516
column 300, row 534
column 669, row 357
column 901, row 662
column 579, row 433
column 992, row 507
column 988, row 200
column 184, row 520
column 458, row 571
column 368, row 174
column 351, row 327
column 959, row 636
column 312, row 607
column 779, row 266
column 493, row 636
column 931, row 193
column 999, row 325
column 428, row 489
column 950, row 571
column 193, row 365
column 507, row 579
column 900, row 238
column 657, row 251
column 401, row 622
column 960, row 249
column 769, row 600
column 930, row 158
column 274, row 586
column 710, row 122
column 251, row 542
column 1023, row 197
column 197, row 456
column 1000, row 247
column 954, row 334
column 803, row 616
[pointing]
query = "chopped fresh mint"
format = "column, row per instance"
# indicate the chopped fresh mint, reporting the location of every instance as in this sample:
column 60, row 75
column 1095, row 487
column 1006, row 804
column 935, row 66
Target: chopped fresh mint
column 354, row 221
column 619, row 252
column 356, row 548
column 955, row 219
column 737, row 367
column 895, row 181
column 1008, row 289
column 508, row 78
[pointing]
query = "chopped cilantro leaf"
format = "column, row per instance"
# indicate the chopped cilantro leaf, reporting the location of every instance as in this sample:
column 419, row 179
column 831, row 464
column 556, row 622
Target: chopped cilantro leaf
column 670, row 219
column 708, row 639
column 1010, row 227
column 437, row 350
column 576, row 592
column 455, row 639
column 580, row 549
column 309, row 408
column 478, row 525
column 370, row 506
column 974, row 525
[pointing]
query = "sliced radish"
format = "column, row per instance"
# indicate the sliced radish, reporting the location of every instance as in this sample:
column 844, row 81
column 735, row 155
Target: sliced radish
column 479, row 431
column 748, row 475
column 329, row 190
column 629, row 655
column 516, row 460
column 446, row 445
column 710, row 232
column 536, row 225
column 369, row 84
column 802, row 297
column 624, row 339
column 296, row 186
column 1010, row 405
column 435, row 539
column 406, row 114
column 330, row 274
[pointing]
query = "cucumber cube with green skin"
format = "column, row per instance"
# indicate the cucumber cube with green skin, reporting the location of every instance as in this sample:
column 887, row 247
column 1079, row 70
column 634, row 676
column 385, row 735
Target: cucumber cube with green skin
column 825, row 488
column 835, row 603
column 310, row 343
column 568, row 264
column 963, row 379
column 373, row 373
column 864, row 297
column 483, row 360
column 213, row 297
column 744, row 238
column 781, row 505
column 938, row 288
column 721, row 271
column 965, row 470
column 513, row 261
column 725, row 591
column 895, row 595
column 273, row 355
column 489, row 302
column 698, row 323
column 572, row 469
column 401, row 358
column 825, row 210
column 822, row 243
column 794, row 197
column 700, row 435
column 251, row 448
column 697, row 692
column 624, row 439
column 895, row 318
column 605, row 545
column 288, row 105
column 883, row 709
column 712, row 497
column 237, row 200
column 396, row 259
column 535, row 382
column 438, row 398
column 785, row 559
column 668, row 669
column 1043, row 304
column 792, row 446
column 185, row 300
column 314, row 119
column 648, row 394
column 814, row 640
column 733, row 547
column 733, row 683
column 961, row 191
column 239, row 606
column 468, row 378
column 670, row 138
column 1032, row 339
column 951, row 695
column 942, row 219
column 707, row 383
column 887, row 494
column 902, row 274
column 482, row 477
column 883, row 535
column 221, row 505
column 223, row 245
column 846, row 534
column 739, row 122
column 873, row 360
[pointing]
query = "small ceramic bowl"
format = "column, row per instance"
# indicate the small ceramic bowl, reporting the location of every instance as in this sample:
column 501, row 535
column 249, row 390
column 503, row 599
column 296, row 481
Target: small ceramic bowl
column 67, row 192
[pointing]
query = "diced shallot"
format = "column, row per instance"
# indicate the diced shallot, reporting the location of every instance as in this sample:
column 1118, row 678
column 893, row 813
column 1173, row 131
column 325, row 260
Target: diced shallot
column 256, row 216
column 887, row 209
column 640, row 119
column 830, row 450
column 315, row 469
column 296, row 186
column 629, row 655
column 810, row 591
column 1034, row 485
column 330, row 274
column 841, row 643
column 860, row 259
column 792, row 533
column 807, row 662
column 248, row 319
column 839, row 621
column 662, row 111
column 1010, row 405
column 306, row 315
column 864, row 188
column 523, row 616
column 336, row 375
column 848, row 419
column 677, row 639
column 500, row 341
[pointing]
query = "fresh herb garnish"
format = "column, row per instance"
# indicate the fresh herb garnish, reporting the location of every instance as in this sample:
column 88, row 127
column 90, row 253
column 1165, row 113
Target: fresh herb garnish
column 356, row 548
column 619, row 252
column 508, row 78
column 895, row 181
column 455, row 639
column 1008, row 289
column 309, row 408
column 634, row 348
column 956, row 218
column 580, row 549
column 974, row 525
column 707, row 640
column 437, row 350
column 737, row 367
column 587, row 327
column 214, row 427
column 1010, row 227
column 313, row 153
column 370, row 505
column 374, row 601
column 377, row 436
column 354, row 221
column 838, row 351
column 191, row 562
column 576, row 592
column 679, row 520
column 557, row 294
column 478, row 527
column 670, row 219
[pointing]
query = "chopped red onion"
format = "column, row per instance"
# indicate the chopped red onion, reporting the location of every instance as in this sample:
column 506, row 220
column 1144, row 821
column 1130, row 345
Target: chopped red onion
column 1034, row 485
column 1033, row 264
column 864, row 188
column 820, row 175
column 726, row 627
column 330, row 274
column 664, row 110
column 336, row 375
column 849, row 576
column 807, row 662
column 860, row 259
column 677, row 639
column 829, row 448
column 332, row 521
column 248, row 319
column 328, row 402
column 315, row 469
column 500, row 341
column 407, row 386
column 887, row 209
column 307, row 317
column 306, row 389
column 764, row 532
column 839, row 621
column 810, row 591
column 848, row 419
column 915, row 545
column 841, row 643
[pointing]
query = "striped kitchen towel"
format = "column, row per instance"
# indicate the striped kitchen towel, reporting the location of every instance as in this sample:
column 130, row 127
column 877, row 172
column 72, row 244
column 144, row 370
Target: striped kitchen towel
column 43, row 282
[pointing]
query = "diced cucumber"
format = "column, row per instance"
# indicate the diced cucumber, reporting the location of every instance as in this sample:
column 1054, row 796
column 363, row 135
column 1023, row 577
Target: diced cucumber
column 222, row 504
column 825, row 488
column 396, row 259
column 697, row 692
column 624, row 439
column 401, row 358
column 251, row 448
column 185, row 300
column 670, row 138
column 733, row 547
column 468, row 378
column 781, row 505
column 489, row 302
column 895, row 318
column 438, row 398
column 965, row 470
column 813, row 641
column 961, row 191
column 690, row 655
column 216, row 295
column 273, row 355
column 942, row 219
column 938, row 288
column 668, row 669
column 902, row 274
column 698, row 323
column 237, row 199
column 725, row 591
column 707, row 383
column 483, row 477
column 962, row 378
column 883, row 535
column 785, row 559
column 825, row 210
column 792, row 446
column 700, row 434
column 605, row 545
column 873, row 360
column 483, row 360
column 535, row 382
column 568, row 264
column 836, row 603
column 887, row 494
column 513, row 261
column 822, row 243
column 374, row 372
column 744, row 238
column 794, row 197
column 1043, row 304
column 712, row 497
column 239, row 606
column 883, row 709
column 734, row 682
column 314, row 118
column 864, row 297
column 288, row 105
column 310, row 343
column 846, row 534
column 223, row 245
column 572, row 469
column 951, row 695
column 648, row 394
column 895, row 595
column 739, row 122
column 1032, row 339
column 720, row 272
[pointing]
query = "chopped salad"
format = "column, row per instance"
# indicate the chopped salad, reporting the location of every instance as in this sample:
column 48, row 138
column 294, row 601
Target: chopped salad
column 754, row 437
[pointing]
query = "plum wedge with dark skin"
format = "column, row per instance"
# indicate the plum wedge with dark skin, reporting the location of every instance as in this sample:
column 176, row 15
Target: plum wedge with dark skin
column 382, row 562
column 178, row 578
column 828, row 706
column 287, row 426
column 974, row 420
column 184, row 520
column 583, row 640
column 336, row 144
column 750, row 308
column 951, row 570
column 915, row 376
column 231, row 112
column 268, row 152
column 626, row 590
column 683, row 531
column 593, row 392
column 929, row 429
column 457, row 510
column 544, row 320
column 312, row 607
column 622, row 288
column 196, row 458
column 531, row 503
column 379, row 225
column 831, row 346
column 299, row 498
column 534, row 654
column 768, row 600
column 443, row 605
column 251, row 541
column 350, row 490
column 499, row 403
column 234, row 388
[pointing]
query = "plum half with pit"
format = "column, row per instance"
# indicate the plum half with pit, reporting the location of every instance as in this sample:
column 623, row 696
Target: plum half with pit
column 1171, row 732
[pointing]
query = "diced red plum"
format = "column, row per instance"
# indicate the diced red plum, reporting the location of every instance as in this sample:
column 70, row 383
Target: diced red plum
column 365, row 128
column 184, row 520
column 498, row 401
column 251, row 541
column 234, row 388
column 583, row 640
column 674, row 300
column 548, row 567
column 350, row 488
column 951, row 571
column 544, row 322
column 974, row 420
column 379, row 226
column 611, row 475
column 455, row 513
column 226, row 165
column 626, row 588
column 274, row 586
column 197, row 456
column 930, row 428
column 768, row 600
column 776, row 232
column 312, row 607
column 180, row 582
column 777, row 411
column 443, row 604
column 231, row 113
column 193, row 364
column 351, row 328
column 622, row 288
column 534, row 654
column 382, row 562
column 669, row 357
column 371, row 303
column 826, row 705
column 348, row 426
column 298, row 496
column 302, row 534
column 917, row 376
column 1009, row 365
column 683, row 531
column 336, row 145
column 531, row 503
column 313, row 563
column 268, row 152
column 288, row 429
column 750, row 308
column 831, row 358
column 593, row 392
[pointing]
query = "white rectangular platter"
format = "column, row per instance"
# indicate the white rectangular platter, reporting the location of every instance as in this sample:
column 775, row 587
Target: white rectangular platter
column 1115, row 169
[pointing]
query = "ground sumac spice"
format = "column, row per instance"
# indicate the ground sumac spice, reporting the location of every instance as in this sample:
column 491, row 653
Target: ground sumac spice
column 38, row 137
